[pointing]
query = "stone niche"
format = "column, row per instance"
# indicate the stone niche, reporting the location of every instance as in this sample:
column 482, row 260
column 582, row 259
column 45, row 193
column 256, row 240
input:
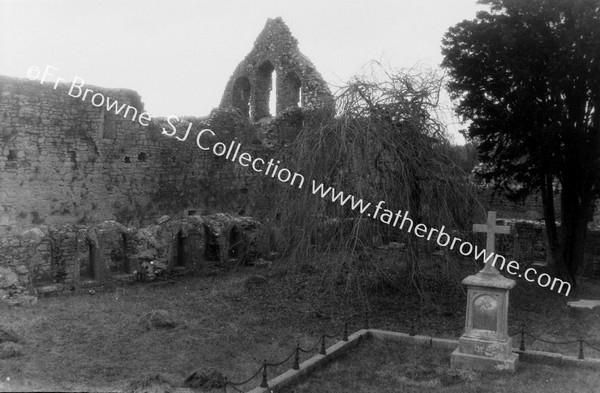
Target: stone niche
column 52, row 259
column 275, row 62
column 112, row 244
column 195, row 242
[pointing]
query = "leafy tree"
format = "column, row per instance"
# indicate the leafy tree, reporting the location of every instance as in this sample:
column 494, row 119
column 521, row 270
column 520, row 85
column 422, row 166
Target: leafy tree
column 527, row 74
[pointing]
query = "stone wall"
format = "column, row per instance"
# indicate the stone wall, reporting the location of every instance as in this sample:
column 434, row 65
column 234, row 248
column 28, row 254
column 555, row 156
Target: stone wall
column 66, row 161
column 298, row 83
column 527, row 244
column 57, row 258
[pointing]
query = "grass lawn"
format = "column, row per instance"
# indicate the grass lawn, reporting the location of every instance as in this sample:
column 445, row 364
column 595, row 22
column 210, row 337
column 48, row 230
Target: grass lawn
column 95, row 342
column 387, row 366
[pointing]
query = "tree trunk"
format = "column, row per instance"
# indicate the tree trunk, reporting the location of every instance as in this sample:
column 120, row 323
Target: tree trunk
column 566, row 244
column 547, row 192
column 575, row 208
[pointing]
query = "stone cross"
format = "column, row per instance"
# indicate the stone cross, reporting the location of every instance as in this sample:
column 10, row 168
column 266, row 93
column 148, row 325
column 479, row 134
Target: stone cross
column 491, row 229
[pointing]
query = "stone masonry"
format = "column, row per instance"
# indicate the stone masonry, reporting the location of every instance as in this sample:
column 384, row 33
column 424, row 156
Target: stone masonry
column 298, row 83
column 81, row 186
column 64, row 161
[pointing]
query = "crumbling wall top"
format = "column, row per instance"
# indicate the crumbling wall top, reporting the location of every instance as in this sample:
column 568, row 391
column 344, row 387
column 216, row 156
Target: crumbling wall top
column 275, row 60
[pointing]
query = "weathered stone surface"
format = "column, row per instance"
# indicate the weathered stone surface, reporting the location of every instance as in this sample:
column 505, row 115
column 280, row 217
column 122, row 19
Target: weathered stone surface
column 8, row 278
column 33, row 235
column 94, row 165
column 275, row 50
column 584, row 304
column 484, row 363
column 485, row 344
column 22, row 301
column 21, row 269
column 205, row 380
column 254, row 281
column 48, row 289
column 157, row 319
column 10, row 350
column 490, row 348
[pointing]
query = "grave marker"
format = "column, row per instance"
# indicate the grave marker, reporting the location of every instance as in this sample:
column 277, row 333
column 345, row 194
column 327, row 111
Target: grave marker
column 491, row 229
column 485, row 345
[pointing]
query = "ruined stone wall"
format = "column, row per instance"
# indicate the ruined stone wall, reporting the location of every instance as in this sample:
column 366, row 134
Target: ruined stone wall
column 528, row 245
column 66, row 161
column 48, row 259
column 298, row 83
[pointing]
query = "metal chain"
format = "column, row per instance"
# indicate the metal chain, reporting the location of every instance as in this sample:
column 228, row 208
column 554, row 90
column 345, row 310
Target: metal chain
column 247, row 380
column 298, row 348
column 551, row 342
column 591, row 346
column 283, row 361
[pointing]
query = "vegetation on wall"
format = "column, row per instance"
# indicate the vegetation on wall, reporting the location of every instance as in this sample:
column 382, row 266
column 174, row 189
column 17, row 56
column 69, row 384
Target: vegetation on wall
column 384, row 143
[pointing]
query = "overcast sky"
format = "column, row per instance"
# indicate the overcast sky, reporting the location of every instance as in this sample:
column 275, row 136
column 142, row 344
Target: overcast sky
column 179, row 54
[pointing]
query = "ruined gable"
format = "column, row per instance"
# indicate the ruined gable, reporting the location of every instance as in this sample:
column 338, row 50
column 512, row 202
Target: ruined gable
column 298, row 83
column 79, row 177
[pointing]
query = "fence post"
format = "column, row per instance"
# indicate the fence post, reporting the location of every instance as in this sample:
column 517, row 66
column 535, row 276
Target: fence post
column 263, row 383
column 367, row 319
column 296, row 365
column 522, row 346
column 225, row 384
column 345, row 338
column 323, row 351
column 580, row 349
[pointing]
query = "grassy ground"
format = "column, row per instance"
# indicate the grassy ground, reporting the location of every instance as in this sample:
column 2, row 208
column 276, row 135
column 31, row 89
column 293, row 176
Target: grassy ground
column 95, row 342
column 385, row 367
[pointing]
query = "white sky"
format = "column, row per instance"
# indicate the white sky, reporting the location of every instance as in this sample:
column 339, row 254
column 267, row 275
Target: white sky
column 179, row 54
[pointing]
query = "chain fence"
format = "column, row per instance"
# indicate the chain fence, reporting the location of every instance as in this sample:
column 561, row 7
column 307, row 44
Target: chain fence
column 581, row 341
column 263, row 369
column 319, row 347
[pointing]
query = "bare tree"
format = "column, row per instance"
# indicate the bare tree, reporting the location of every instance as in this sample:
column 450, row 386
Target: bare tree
column 384, row 142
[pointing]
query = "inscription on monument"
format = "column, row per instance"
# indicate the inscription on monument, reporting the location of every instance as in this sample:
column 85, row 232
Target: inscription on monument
column 485, row 312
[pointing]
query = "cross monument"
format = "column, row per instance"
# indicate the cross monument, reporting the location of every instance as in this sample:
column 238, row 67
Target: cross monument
column 491, row 229
column 485, row 344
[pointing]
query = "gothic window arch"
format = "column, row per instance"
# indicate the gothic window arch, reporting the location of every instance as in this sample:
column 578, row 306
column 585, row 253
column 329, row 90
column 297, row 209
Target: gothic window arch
column 290, row 92
column 241, row 95
column 262, row 90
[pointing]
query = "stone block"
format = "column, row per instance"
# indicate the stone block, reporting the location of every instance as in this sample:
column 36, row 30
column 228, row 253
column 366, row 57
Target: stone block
column 484, row 363
column 584, row 304
column 48, row 289
column 8, row 278
column 489, row 348
column 21, row 269
column 22, row 301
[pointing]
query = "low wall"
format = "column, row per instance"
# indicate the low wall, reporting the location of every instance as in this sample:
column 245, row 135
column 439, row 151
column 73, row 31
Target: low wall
column 48, row 259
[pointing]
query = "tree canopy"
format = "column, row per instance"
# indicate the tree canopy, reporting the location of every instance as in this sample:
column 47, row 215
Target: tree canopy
column 527, row 75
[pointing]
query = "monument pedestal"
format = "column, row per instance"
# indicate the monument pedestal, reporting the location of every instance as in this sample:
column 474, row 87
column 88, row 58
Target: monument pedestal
column 484, row 363
column 485, row 345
